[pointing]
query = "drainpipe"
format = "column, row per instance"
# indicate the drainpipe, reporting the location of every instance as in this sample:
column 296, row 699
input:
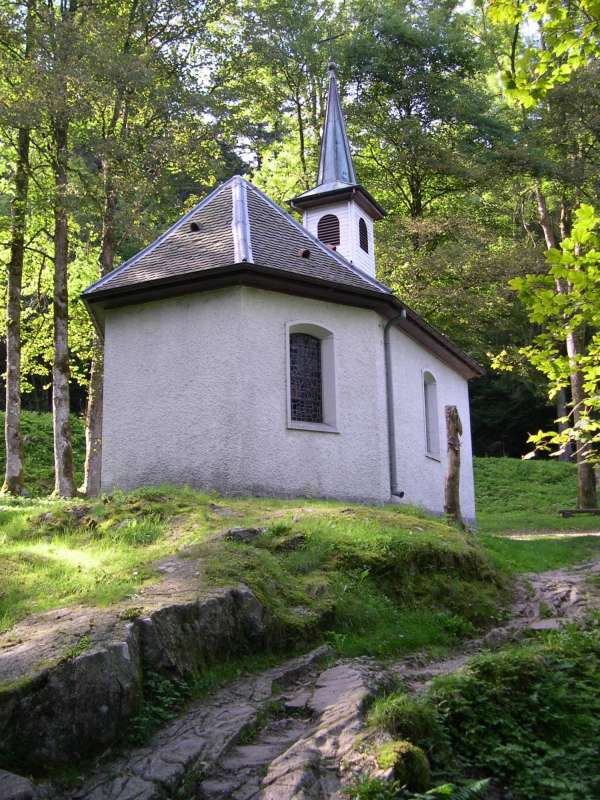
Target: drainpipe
column 389, row 391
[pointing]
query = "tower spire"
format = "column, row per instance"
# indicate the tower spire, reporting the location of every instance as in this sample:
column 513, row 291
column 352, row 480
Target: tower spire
column 338, row 210
column 335, row 163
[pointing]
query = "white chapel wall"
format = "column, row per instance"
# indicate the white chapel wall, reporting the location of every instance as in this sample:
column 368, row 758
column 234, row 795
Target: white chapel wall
column 196, row 393
column 171, row 393
column 421, row 477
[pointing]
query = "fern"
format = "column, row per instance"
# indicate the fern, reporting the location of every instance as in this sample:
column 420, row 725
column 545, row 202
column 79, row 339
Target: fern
column 476, row 790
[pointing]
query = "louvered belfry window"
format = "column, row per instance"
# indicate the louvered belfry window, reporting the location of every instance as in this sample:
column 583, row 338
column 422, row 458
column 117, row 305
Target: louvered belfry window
column 306, row 380
column 328, row 230
column 363, row 235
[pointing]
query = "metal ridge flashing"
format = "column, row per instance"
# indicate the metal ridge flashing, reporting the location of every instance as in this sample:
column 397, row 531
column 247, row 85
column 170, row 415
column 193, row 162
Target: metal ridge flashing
column 240, row 224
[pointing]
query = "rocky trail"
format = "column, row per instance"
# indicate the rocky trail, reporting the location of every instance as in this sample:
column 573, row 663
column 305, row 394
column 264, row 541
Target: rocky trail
column 294, row 732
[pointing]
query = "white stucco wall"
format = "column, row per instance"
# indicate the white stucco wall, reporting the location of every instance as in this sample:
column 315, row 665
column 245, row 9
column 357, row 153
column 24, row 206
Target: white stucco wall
column 349, row 213
column 171, row 393
column 196, row 393
column 421, row 477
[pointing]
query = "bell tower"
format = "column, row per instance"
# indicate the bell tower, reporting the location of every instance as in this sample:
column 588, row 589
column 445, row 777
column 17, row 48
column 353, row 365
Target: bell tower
column 339, row 211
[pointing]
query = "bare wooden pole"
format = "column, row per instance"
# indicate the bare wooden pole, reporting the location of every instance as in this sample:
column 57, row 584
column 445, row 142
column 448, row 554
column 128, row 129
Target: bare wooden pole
column 452, row 491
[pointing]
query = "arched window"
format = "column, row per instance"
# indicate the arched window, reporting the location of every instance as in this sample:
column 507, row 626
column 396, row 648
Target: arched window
column 432, row 434
column 306, row 379
column 363, row 235
column 328, row 230
column 310, row 377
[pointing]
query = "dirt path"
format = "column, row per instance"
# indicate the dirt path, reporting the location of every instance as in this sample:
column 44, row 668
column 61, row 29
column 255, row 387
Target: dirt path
column 291, row 733
column 543, row 601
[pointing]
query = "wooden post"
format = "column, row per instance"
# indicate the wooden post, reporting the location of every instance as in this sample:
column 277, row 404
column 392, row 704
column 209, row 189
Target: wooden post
column 452, row 492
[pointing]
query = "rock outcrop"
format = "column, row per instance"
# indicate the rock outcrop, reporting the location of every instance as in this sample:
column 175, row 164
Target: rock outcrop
column 80, row 696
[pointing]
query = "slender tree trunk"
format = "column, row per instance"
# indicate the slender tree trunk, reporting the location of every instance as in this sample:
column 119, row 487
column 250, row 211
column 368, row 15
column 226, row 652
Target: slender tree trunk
column 93, row 433
column 561, row 411
column 301, row 141
column 64, row 482
column 13, row 478
column 452, row 491
column 586, row 476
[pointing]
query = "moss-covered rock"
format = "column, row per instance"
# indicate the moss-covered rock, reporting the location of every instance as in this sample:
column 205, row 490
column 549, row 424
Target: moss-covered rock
column 408, row 762
column 407, row 717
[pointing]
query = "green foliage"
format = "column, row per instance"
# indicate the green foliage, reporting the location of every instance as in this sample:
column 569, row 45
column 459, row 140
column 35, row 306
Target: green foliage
column 77, row 649
column 544, row 703
column 526, row 716
column 563, row 302
column 375, row 789
column 163, row 699
column 571, row 38
column 407, row 717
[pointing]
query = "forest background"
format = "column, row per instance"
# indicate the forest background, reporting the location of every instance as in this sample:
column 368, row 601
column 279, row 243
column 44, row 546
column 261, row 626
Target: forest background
column 477, row 126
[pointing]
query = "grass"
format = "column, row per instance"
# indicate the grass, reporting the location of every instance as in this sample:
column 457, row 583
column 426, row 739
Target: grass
column 381, row 581
column 525, row 496
column 38, row 455
column 516, row 495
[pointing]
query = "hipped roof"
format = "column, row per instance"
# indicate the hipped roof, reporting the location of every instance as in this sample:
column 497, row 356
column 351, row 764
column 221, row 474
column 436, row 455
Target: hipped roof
column 238, row 235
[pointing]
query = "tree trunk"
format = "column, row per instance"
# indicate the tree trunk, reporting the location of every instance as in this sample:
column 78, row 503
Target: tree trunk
column 586, row 476
column 13, row 477
column 561, row 411
column 93, row 432
column 452, row 490
column 64, row 482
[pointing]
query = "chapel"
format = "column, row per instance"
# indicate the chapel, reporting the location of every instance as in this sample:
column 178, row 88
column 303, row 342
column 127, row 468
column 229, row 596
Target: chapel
column 249, row 353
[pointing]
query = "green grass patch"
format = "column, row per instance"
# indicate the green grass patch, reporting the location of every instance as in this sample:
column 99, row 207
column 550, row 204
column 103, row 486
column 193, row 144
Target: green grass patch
column 542, row 553
column 57, row 553
column 516, row 495
column 528, row 717
column 38, row 453
column 381, row 581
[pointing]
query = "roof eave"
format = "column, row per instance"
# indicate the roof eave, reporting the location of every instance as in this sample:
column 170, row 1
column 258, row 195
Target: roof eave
column 357, row 192
column 268, row 278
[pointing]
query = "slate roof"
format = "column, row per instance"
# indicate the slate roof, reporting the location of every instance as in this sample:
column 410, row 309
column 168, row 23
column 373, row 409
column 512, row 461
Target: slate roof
column 235, row 224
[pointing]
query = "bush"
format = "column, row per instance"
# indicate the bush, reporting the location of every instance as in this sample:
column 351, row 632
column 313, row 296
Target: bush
column 528, row 716
column 403, row 716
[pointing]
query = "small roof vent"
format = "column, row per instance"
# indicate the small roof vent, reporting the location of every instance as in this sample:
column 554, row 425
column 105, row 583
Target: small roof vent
column 194, row 227
column 304, row 252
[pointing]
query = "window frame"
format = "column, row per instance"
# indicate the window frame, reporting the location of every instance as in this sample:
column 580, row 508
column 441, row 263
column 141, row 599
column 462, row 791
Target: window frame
column 431, row 415
column 328, row 382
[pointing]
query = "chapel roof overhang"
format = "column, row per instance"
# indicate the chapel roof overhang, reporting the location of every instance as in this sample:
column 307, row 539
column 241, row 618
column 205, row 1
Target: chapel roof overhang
column 239, row 236
column 334, row 192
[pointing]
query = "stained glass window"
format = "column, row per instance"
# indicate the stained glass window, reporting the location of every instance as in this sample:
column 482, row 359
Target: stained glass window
column 306, row 384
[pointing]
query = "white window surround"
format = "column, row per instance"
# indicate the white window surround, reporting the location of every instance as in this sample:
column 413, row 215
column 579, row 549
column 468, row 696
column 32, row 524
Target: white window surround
column 431, row 415
column 329, row 424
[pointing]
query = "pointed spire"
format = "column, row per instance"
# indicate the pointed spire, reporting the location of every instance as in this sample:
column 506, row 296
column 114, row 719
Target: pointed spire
column 335, row 165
